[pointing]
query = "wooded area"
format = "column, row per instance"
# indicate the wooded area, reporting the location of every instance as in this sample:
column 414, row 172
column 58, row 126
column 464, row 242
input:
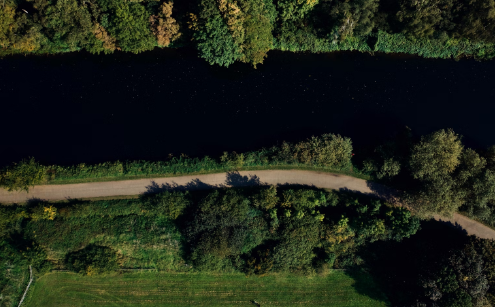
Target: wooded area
column 256, row 231
column 226, row 31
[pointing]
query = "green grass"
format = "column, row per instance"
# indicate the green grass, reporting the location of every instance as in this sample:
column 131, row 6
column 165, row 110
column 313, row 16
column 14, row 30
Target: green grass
column 213, row 171
column 188, row 289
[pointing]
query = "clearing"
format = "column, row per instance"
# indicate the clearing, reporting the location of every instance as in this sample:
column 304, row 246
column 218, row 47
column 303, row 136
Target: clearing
column 200, row 289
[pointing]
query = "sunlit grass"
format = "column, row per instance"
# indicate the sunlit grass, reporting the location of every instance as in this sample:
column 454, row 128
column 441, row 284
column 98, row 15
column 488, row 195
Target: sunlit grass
column 195, row 289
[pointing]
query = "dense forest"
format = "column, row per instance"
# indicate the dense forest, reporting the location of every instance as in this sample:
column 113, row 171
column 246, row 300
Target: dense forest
column 226, row 31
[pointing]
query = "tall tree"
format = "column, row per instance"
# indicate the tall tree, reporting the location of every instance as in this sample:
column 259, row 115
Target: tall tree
column 437, row 155
column 351, row 17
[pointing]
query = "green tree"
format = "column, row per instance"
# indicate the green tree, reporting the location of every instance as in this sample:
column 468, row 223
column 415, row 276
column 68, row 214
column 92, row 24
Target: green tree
column 425, row 18
column 436, row 156
column 477, row 21
column 7, row 22
column 351, row 18
column 129, row 24
column 20, row 176
column 66, row 23
column 231, row 31
column 258, row 25
column 169, row 204
column 459, row 281
column 328, row 150
column 291, row 10
column 18, row 33
column 215, row 42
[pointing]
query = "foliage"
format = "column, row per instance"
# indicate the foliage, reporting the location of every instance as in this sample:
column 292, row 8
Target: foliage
column 66, row 23
column 167, row 204
column 10, row 220
column 128, row 23
column 460, row 280
column 22, row 175
column 101, row 34
column 165, row 28
column 92, row 260
column 214, row 41
column 226, row 31
column 256, row 230
column 351, row 18
column 434, row 48
column 14, row 274
column 7, row 22
column 258, row 26
column 231, row 30
column 41, row 212
column 436, row 156
column 294, row 9
column 328, row 151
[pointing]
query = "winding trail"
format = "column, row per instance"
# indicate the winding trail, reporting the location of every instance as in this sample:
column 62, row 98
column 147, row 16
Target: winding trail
column 234, row 179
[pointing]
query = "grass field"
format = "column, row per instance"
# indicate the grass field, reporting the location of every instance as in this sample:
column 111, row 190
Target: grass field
column 193, row 289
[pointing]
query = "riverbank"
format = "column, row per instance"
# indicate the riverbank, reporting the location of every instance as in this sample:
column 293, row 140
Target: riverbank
column 119, row 189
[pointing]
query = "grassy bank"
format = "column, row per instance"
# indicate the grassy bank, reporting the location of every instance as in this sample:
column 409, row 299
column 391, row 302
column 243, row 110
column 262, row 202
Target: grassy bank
column 188, row 289
column 352, row 173
column 329, row 152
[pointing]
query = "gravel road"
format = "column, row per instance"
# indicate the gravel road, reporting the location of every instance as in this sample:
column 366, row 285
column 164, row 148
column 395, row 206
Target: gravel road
column 243, row 178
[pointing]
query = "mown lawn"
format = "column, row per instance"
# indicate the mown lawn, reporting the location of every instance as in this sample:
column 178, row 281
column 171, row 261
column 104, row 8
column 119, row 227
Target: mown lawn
column 192, row 289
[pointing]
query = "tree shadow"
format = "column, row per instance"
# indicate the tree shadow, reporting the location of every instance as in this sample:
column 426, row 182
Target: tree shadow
column 365, row 285
column 235, row 179
column 193, row 185
column 456, row 227
column 383, row 192
column 34, row 201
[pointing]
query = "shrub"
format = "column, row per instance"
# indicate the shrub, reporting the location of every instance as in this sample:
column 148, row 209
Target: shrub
column 92, row 260
column 22, row 175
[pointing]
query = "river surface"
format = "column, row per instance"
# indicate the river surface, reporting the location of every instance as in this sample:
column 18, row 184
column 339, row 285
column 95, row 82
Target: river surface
column 79, row 107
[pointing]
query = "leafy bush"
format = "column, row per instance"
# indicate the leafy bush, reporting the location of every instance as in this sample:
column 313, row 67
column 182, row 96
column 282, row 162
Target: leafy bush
column 92, row 260
column 328, row 151
column 22, row 175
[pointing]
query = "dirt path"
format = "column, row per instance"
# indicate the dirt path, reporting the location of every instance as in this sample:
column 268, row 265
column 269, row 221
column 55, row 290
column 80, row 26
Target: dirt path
column 243, row 178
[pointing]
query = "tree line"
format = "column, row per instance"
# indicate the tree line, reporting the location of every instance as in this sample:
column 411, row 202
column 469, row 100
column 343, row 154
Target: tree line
column 435, row 173
column 226, row 31
column 328, row 151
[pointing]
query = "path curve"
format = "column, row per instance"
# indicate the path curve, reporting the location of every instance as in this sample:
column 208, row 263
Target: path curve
column 242, row 178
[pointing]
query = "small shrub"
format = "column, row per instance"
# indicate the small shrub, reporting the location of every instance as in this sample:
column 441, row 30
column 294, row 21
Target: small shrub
column 92, row 260
column 20, row 176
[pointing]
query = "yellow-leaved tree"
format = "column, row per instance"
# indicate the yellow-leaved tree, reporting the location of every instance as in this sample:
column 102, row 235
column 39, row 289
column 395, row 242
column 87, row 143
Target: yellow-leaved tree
column 164, row 26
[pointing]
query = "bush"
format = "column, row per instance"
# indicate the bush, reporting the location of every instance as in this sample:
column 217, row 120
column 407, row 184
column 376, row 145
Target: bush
column 92, row 260
column 20, row 176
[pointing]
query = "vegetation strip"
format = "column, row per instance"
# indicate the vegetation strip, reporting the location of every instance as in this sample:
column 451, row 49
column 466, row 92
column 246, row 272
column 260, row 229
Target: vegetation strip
column 193, row 289
column 228, row 31
column 257, row 232
column 29, row 284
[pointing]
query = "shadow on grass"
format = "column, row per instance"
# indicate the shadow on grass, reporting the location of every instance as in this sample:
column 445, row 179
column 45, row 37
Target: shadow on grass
column 365, row 285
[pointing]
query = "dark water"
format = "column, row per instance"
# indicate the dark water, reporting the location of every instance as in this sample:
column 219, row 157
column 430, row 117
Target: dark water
column 84, row 108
